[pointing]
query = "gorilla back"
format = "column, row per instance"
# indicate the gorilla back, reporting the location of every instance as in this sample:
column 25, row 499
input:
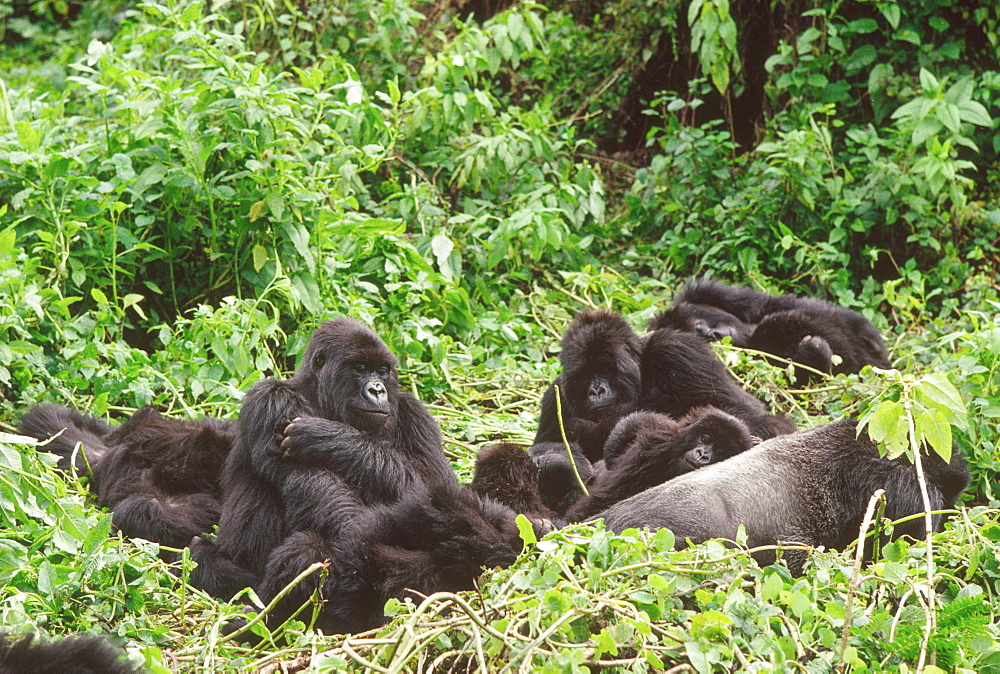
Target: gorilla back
column 810, row 487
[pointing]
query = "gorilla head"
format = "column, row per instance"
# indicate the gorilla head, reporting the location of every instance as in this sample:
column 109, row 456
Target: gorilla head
column 600, row 365
column 352, row 375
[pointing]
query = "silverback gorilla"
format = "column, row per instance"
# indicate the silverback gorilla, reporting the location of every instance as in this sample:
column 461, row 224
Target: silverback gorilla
column 159, row 476
column 804, row 330
column 810, row 487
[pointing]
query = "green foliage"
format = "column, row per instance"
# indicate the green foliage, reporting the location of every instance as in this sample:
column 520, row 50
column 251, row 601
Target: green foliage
column 185, row 194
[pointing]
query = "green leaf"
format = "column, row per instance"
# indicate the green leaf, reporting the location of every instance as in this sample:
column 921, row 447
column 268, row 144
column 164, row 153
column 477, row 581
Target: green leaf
column 259, row 254
column 975, row 113
column 885, row 420
column 928, row 82
column 526, row 529
column 937, row 388
column 936, row 431
column 949, row 115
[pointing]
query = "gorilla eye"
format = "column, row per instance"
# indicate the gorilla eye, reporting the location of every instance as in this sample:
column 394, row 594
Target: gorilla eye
column 383, row 372
column 705, row 439
column 319, row 360
column 360, row 368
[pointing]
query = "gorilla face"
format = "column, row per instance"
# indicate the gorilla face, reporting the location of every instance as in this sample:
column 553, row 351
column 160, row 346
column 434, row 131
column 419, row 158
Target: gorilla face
column 354, row 374
column 600, row 360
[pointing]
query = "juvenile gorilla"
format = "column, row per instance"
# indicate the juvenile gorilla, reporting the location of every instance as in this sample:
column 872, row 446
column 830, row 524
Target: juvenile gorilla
column 312, row 452
column 646, row 449
column 505, row 473
column 680, row 373
column 599, row 382
column 159, row 477
column 805, row 330
column 810, row 487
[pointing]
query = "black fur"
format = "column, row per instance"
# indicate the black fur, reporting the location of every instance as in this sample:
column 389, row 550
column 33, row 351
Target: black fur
column 599, row 382
column 44, row 421
column 810, row 487
column 804, row 330
column 557, row 484
column 313, row 453
column 507, row 474
column 433, row 539
column 67, row 655
column 646, row 449
column 680, row 372
column 159, row 476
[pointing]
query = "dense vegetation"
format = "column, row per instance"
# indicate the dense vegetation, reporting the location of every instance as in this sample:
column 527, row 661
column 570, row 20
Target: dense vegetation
column 186, row 191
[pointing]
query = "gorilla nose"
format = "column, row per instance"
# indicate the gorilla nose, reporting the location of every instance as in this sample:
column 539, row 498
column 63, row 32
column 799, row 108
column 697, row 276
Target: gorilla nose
column 376, row 390
column 599, row 390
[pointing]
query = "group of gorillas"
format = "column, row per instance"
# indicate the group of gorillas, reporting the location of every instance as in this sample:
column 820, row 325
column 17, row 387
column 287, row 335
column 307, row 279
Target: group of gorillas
column 337, row 466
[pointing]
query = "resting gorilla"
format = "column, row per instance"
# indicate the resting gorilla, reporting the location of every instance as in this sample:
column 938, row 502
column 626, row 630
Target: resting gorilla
column 811, row 487
column 339, row 421
column 337, row 465
column 679, row 372
column 432, row 539
column 68, row 655
column 644, row 450
column 160, row 477
column 804, row 330
column 599, row 382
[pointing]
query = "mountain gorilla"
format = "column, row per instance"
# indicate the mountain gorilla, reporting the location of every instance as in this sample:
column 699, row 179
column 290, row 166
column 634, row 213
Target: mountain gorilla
column 599, row 382
column 66, row 655
column 804, row 330
column 312, row 452
column 679, row 373
column 433, row 539
column 646, row 449
column 811, row 487
column 159, row 476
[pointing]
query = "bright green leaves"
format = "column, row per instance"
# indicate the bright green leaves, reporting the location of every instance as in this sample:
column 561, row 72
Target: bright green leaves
column 713, row 39
column 938, row 110
column 914, row 411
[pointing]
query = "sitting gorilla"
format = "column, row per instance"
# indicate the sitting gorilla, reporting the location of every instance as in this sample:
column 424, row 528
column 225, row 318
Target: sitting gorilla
column 159, row 476
column 646, row 449
column 336, row 465
column 599, row 382
column 804, row 330
column 679, row 372
column 67, row 655
column 811, row 487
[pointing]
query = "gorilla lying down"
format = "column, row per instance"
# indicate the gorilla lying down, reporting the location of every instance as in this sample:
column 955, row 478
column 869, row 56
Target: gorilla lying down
column 801, row 329
column 809, row 487
column 159, row 476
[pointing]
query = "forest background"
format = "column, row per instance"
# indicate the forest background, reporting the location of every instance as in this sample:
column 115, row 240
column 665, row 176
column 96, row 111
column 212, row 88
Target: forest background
column 187, row 191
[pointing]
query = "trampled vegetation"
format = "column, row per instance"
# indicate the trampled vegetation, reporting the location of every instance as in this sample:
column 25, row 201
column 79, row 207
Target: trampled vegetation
column 187, row 191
